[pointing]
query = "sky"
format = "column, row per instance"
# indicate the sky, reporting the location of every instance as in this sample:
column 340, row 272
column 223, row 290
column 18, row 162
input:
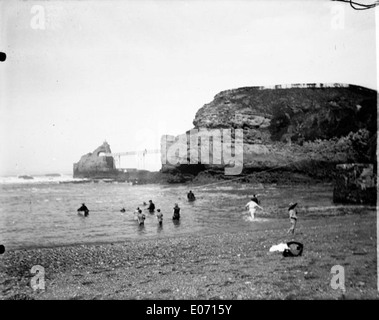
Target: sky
column 81, row 72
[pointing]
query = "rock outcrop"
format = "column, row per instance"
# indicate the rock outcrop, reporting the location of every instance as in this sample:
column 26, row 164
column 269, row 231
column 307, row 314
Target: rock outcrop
column 26, row 177
column 96, row 164
column 99, row 165
column 304, row 128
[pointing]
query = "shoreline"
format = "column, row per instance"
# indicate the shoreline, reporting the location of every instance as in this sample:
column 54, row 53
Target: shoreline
column 233, row 265
column 308, row 212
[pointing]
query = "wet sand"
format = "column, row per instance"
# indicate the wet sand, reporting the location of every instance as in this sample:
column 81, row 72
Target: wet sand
column 218, row 266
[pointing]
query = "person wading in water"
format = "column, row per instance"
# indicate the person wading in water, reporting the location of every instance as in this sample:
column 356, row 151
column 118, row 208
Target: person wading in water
column 191, row 196
column 151, row 207
column 252, row 205
column 141, row 218
column 159, row 217
column 176, row 215
column 84, row 209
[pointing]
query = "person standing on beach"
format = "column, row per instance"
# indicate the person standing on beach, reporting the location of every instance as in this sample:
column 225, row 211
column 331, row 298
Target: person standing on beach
column 253, row 205
column 176, row 215
column 293, row 217
column 159, row 217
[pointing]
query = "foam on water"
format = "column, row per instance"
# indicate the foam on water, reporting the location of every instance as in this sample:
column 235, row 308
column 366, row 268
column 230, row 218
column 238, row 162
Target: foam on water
column 40, row 179
column 248, row 218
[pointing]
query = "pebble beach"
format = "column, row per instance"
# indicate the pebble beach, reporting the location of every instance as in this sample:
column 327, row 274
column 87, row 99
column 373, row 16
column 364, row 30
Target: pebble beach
column 234, row 265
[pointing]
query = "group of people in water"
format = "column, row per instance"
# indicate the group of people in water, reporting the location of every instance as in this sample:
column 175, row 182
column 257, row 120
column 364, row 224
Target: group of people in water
column 252, row 205
column 140, row 216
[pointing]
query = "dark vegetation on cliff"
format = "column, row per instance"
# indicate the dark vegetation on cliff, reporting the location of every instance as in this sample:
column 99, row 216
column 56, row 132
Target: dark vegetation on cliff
column 327, row 114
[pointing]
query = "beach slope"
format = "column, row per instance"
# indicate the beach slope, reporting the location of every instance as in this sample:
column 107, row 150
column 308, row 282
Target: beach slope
column 218, row 266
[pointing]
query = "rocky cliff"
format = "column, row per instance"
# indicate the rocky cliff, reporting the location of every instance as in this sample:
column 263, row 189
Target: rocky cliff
column 303, row 128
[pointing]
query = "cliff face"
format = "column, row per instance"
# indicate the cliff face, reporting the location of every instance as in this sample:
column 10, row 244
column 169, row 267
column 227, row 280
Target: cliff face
column 306, row 128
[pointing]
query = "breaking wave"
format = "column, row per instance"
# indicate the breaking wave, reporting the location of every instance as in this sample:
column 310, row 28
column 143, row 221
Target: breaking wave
column 38, row 179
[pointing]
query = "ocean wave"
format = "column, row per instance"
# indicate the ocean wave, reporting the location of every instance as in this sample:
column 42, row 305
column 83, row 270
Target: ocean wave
column 42, row 179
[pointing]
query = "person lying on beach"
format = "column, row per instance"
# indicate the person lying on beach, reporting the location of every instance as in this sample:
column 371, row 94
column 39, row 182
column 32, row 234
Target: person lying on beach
column 151, row 207
column 176, row 215
column 141, row 217
column 253, row 205
column 159, row 216
column 293, row 217
column 84, row 209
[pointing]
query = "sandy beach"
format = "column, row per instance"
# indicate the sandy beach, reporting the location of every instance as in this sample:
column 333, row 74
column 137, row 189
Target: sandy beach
column 234, row 266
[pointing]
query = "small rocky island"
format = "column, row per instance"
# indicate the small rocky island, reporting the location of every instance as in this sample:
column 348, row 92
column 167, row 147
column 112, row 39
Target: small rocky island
column 98, row 165
column 95, row 165
column 26, row 177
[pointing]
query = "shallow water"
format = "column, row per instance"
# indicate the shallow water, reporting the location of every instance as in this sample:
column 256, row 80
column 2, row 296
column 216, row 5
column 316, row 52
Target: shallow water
column 33, row 215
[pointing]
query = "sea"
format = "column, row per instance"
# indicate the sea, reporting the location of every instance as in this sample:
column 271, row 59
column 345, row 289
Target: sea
column 42, row 212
